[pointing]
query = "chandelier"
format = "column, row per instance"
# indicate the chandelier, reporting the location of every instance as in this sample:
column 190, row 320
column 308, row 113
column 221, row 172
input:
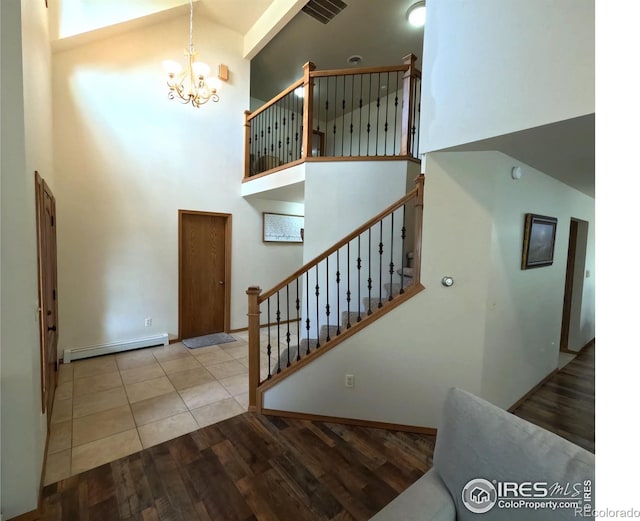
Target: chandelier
column 192, row 84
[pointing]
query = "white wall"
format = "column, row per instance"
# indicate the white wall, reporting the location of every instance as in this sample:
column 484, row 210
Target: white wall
column 495, row 67
column 26, row 146
column 341, row 196
column 127, row 159
column 524, row 307
column 490, row 333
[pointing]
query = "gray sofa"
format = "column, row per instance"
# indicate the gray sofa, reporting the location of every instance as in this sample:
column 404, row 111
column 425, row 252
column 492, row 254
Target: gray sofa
column 489, row 464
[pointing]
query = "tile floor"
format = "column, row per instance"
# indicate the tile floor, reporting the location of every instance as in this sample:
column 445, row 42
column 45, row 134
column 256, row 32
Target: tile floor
column 112, row 406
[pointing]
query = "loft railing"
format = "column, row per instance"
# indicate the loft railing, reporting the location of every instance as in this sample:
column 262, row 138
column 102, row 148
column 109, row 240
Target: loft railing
column 366, row 113
column 337, row 293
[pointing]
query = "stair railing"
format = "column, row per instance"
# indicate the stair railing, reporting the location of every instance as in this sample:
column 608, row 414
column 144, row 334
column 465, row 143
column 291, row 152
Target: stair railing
column 366, row 113
column 336, row 293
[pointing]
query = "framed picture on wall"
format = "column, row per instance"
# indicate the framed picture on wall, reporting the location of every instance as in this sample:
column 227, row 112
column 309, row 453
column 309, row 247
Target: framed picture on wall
column 539, row 241
column 278, row 227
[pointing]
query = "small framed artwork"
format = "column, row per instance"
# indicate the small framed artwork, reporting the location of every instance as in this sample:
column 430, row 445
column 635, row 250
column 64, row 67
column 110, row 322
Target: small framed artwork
column 277, row 227
column 539, row 241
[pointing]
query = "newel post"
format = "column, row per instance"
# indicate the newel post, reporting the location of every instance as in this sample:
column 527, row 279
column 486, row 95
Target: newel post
column 307, row 111
column 254, row 347
column 247, row 145
column 417, row 244
column 408, row 125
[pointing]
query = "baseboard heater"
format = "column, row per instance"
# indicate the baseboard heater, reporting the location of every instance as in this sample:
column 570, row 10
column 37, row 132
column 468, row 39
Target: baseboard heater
column 78, row 353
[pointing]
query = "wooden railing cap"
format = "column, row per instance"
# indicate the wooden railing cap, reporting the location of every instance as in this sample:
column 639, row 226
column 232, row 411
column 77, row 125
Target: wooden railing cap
column 254, row 290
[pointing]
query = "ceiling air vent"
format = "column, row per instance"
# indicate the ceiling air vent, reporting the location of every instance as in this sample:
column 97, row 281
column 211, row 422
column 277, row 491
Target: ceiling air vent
column 324, row 10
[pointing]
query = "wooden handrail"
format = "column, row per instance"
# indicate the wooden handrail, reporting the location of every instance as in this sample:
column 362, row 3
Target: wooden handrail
column 359, row 70
column 415, row 193
column 275, row 99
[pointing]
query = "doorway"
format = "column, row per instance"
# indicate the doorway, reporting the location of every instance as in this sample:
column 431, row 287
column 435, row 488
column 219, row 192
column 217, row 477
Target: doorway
column 204, row 273
column 47, row 290
column 574, row 282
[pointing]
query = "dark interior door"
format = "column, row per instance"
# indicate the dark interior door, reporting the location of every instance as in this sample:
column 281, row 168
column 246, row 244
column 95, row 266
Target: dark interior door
column 568, row 286
column 203, row 274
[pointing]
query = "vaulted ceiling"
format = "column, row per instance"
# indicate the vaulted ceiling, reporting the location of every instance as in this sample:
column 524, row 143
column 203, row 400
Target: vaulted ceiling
column 279, row 38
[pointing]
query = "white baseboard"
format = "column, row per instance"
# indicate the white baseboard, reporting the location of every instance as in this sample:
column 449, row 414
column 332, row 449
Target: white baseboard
column 78, row 353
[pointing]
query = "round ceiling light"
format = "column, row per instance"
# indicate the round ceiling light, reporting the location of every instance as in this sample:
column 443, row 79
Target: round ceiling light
column 356, row 59
column 416, row 14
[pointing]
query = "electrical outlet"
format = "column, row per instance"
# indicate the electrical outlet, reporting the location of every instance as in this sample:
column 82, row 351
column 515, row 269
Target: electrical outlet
column 147, row 322
column 349, row 381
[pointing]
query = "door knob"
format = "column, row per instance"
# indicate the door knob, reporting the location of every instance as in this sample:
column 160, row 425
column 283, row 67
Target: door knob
column 52, row 328
column 221, row 282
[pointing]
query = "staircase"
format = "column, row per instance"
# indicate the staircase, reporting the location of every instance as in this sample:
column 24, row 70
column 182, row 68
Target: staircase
column 353, row 283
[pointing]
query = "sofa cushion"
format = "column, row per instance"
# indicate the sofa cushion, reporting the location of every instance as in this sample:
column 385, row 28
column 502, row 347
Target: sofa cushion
column 426, row 500
column 478, row 440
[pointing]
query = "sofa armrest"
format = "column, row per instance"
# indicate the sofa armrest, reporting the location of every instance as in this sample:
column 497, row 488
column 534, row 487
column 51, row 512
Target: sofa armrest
column 426, row 500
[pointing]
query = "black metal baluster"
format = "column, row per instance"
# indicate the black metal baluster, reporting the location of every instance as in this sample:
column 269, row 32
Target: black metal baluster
column 283, row 122
column 348, row 284
column 297, row 145
column 269, row 338
column 369, row 280
column 344, row 105
column 278, row 326
column 317, row 106
column 288, row 335
column 328, row 307
column 308, row 321
column 326, row 115
column 298, row 316
column 360, row 117
column 378, row 115
column 263, row 135
column 386, row 117
column 270, row 135
column 404, row 235
column 395, row 119
column 317, row 310
column 391, row 265
column 369, row 115
column 417, row 116
column 380, row 250
column 279, row 131
column 338, row 290
column 359, row 266
column 353, row 89
column 335, row 114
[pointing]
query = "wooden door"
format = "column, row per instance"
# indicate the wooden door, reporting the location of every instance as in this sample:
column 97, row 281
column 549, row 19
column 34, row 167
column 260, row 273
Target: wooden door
column 204, row 273
column 568, row 286
column 48, row 298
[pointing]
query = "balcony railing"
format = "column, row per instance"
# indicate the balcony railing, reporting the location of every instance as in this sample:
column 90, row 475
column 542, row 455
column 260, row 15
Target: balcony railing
column 364, row 113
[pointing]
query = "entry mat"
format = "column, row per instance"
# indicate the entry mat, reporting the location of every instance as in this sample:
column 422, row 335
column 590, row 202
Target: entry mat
column 208, row 340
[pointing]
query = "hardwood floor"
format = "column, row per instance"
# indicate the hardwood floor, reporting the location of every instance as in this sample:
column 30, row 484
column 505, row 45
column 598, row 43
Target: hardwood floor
column 565, row 404
column 254, row 467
